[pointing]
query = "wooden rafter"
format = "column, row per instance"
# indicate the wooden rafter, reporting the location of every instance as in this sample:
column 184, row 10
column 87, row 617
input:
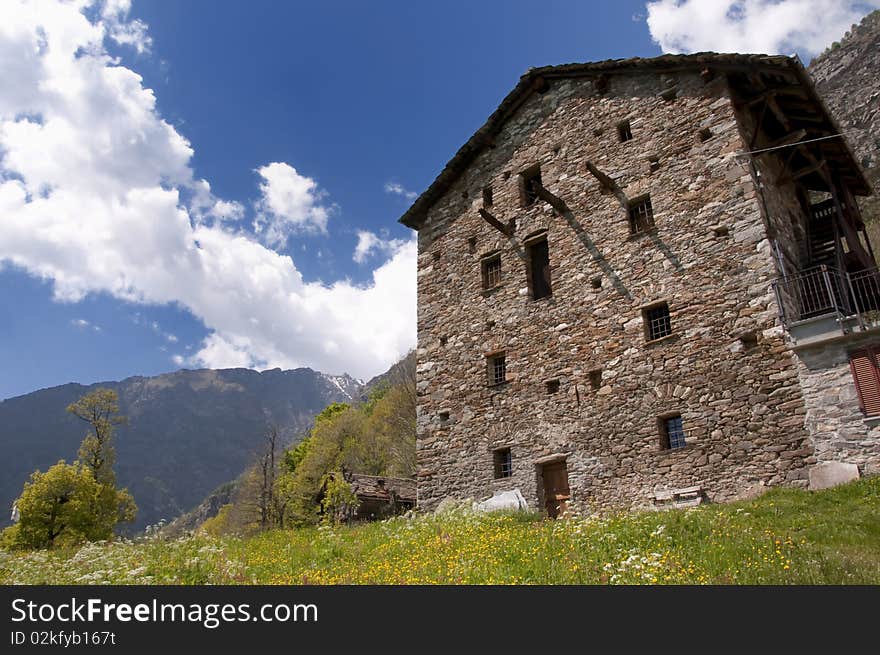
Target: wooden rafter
column 506, row 230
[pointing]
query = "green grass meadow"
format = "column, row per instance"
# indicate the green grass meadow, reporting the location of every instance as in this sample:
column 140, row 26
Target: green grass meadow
column 787, row 536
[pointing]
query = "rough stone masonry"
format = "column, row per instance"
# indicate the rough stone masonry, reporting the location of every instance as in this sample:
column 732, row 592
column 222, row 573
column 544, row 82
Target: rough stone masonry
column 656, row 363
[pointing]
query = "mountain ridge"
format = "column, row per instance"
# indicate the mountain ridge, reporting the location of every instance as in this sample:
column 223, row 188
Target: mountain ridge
column 189, row 430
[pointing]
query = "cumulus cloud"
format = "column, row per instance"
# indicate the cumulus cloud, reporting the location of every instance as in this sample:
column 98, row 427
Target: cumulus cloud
column 760, row 26
column 290, row 203
column 369, row 244
column 97, row 195
column 399, row 190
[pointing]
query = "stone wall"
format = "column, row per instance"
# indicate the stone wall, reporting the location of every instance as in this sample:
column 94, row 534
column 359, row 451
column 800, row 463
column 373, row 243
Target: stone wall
column 709, row 258
column 838, row 429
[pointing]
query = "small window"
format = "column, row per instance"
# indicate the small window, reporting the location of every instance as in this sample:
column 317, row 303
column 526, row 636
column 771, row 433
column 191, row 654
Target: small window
column 487, row 196
column 705, row 134
column 657, row 322
column 624, row 131
column 531, row 182
column 865, row 369
column 641, row 215
column 503, row 463
column 552, row 386
column 596, row 282
column 538, row 253
column 472, row 245
column 671, row 432
column 491, row 272
column 444, row 417
column 596, row 378
column 497, row 369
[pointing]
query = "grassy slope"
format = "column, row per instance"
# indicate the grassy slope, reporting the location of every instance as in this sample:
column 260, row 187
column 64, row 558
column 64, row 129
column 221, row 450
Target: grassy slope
column 787, row 536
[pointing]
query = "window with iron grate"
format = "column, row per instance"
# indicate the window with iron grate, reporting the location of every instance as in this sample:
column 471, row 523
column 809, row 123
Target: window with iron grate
column 497, row 369
column 865, row 367
column 503, row 463
column 491, row 272
column 624, row 131
column 641, row 215
column 657, row 322
column 672, row 432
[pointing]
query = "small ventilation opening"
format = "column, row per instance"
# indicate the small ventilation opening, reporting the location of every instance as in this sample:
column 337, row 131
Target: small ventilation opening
column 595, row 378
column 444, row 340
column 721, row 231
column 444, row 417
column 654, row 163
column 749, row 340
column 552, row 386
column 490, row 324
column 487, row 196
column 596, row 282
column 624, row 131
column 472, row 245
column 437, row 256
column 705, row 134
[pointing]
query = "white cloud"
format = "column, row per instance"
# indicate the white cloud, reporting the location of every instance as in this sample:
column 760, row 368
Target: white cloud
column 82, row 324
column 132, row 33
column 399, row 190
column 97, row 194
column 178, row 360
column 760, row 26
column 370, row 244
column 290, row 203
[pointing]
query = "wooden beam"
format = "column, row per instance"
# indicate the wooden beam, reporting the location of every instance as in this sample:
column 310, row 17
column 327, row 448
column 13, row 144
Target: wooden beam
column 778, row 113
column 506, row 230
column 788, row 139
column 554, row 201
column 809, row 170
column 604, row 180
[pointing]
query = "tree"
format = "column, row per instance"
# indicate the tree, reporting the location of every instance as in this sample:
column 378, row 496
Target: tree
column 80, row 501
column 66, row 505
column 100, row 409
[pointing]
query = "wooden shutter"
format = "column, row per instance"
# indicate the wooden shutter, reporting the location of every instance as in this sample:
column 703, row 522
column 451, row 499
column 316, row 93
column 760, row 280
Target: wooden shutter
column 864, row 366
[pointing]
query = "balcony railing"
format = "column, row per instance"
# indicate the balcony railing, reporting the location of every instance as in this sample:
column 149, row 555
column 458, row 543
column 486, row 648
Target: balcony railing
column 824, row 290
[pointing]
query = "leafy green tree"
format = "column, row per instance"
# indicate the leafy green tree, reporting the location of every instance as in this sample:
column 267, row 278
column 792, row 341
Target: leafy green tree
column 339, row 501
column 66, row 505
column 80, row 501
column 100, row 409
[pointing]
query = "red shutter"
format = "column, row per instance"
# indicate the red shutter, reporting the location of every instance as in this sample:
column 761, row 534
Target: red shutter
column 864, row 366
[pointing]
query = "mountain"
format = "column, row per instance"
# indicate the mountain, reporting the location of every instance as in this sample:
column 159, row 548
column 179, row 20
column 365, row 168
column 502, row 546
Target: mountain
column 188, row 432
column 847, row 76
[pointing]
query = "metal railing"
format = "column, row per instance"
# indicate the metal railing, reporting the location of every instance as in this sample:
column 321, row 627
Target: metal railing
column 825, row 290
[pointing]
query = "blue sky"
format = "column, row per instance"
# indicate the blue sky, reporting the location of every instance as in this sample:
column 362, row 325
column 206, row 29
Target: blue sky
column 237, row 204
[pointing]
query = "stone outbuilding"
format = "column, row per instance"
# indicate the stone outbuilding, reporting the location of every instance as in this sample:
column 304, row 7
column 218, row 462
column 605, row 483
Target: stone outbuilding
column 646, row 282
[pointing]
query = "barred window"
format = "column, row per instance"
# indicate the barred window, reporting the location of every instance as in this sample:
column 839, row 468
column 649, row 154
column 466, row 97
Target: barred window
column 657, row 322
column 497, row 369
column 491, row 272
column 624, row 131
column 671, row 433
column 641, row 215
column 503, row 463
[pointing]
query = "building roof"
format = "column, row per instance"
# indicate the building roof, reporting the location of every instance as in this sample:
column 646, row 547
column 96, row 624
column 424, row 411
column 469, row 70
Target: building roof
column 380, row 487
column 536, row 80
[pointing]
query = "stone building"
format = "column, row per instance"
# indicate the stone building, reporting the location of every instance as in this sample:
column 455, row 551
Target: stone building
column 642, row 282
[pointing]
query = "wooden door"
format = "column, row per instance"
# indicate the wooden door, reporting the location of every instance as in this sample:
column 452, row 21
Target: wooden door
column 556, row 492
